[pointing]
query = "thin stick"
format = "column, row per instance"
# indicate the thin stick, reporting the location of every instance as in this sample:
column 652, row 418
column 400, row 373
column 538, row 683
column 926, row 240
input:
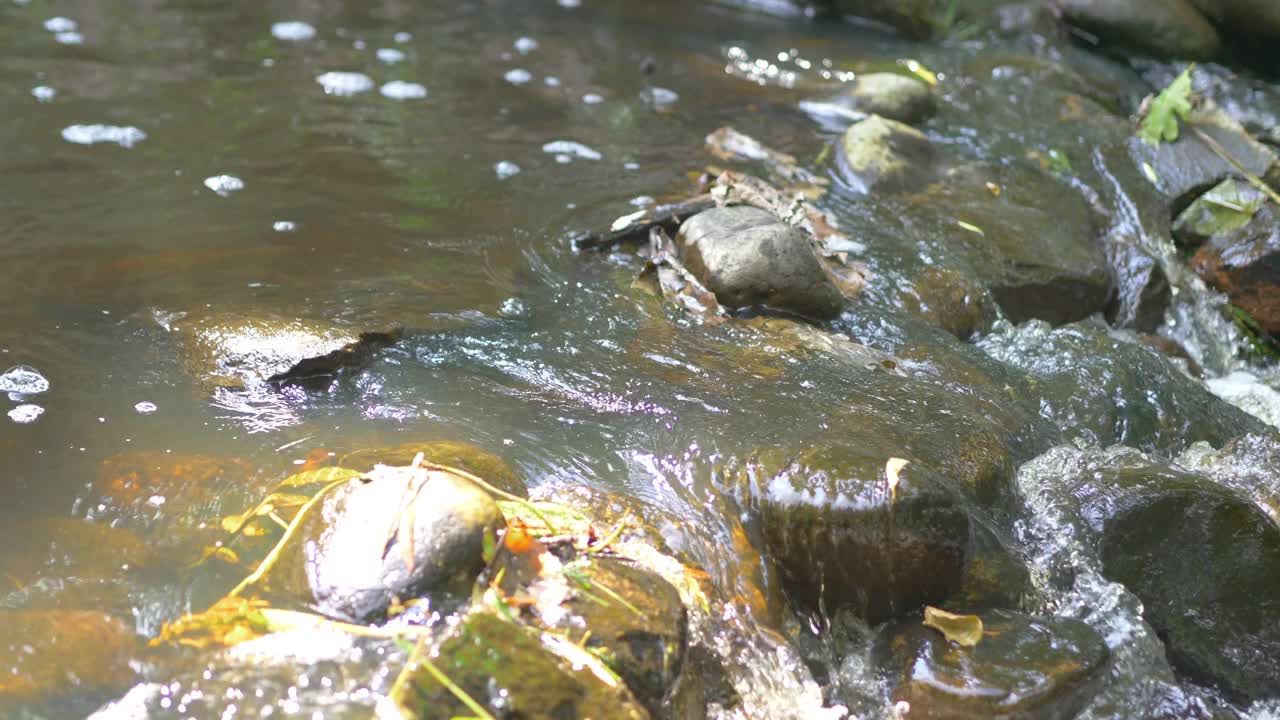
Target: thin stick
column 1222, row 153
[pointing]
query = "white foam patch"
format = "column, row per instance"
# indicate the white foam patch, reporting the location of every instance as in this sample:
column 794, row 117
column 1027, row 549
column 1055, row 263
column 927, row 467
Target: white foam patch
column 400, row 90
column 293, row 31
column 345, row 84
column 571, row 149
column 124, row 136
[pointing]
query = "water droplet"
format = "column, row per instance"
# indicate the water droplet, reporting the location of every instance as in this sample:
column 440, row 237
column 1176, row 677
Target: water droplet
column 398, row 90
column 506, row 169
column 24, row 414
column 60, row 25
column 551, row 81
column 592, row 99
column 571, row 148
column 526, row 45
column 145, row 407
column 91, row 134
column 43, row 93
column 284, row 226
column 344, row 84
column 224, row 185
column 519, row 76
column 293, row 31
column 390, row 56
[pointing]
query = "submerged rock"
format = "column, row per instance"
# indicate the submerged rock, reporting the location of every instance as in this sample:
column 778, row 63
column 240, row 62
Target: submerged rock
column 889, row 95
column 50, row 652
column 150, row 489
column 1022, row 668
column 1106, row 390
column 1171, row 28
column 510, row 672
column 747, row 257
column 1243, row 261
column 372, row 542
column 884, row 154
column 1204, row 561
column 1254, row 20
column 462, row 455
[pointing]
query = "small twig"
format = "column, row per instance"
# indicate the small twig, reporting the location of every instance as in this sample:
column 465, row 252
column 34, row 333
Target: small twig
column 1222, row 153
column 612, row 536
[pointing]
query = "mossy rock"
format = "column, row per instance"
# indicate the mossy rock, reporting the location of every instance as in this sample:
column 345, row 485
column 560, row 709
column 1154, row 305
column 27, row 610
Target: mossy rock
column 50, row 652
column 462, row 455
column 503, row 667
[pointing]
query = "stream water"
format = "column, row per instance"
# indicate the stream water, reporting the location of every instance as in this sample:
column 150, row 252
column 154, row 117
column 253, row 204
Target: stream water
column 429, row 193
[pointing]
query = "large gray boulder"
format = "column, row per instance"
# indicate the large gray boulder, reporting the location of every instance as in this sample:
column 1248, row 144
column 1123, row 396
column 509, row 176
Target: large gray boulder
column 1169, row 28
column 748, row 257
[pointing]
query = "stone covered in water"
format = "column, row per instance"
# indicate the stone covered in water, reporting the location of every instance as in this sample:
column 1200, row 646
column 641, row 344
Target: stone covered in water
column 1254, row 20
column 1243, row 261
column 149, row 489
column 49, row 652
column 889, row 95
column 1105, row 390
column 1204, row 561
column 1022, row 668
column 371, row 542
column 507, row 670
column 748, row 257
column 464, row 456
column 884, row 154
column 1228, row 206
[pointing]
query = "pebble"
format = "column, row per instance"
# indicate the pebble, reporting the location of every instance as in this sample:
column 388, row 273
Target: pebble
column 91, row 134
column 400, row 90
column 344, row 84
column 224, row 185
column 293, row 31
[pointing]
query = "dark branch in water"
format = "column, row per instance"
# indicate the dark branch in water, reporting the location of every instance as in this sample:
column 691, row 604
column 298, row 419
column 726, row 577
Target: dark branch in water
column 636, row 228
column 317, row 373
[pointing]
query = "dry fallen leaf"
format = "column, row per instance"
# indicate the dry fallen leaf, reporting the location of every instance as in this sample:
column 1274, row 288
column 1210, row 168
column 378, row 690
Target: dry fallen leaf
column 964, row 630
column 891, row 470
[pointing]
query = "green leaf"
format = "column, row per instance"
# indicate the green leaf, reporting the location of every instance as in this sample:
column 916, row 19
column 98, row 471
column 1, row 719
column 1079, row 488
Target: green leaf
column 1172, row 104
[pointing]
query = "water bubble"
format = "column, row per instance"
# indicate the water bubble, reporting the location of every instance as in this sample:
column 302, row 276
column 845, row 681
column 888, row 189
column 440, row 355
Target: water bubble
column 23, row 379
column 569, row 3
column 284, row 226
column 519, row 76
column 24, row 414
column 399, row 90
column 403, row 37
column 344, row 84
column 526, row 45
column 571, row 148
column 631, row 166
column 642, row 201
column 60, row 25
column 390, row 56
column 659, row 98
column 293, row 31
column 592, row 99
column 224, row 185
column 91, row 134
column 513, row 308
column 69, row 38
column 43, row 93
column 506, row 169
column 145, row 407
column 551, row 81
column 358, row 45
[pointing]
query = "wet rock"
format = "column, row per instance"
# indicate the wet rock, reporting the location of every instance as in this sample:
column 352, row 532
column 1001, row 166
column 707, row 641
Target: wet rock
column 233, row 349
column 1103, row 389
column 748, row 257
column 55, row 652
column 372, row 542
column 1189, row 165
column 1143, row 292
column 634, row 621
column 889, row 95
column 1023, row 667
column 1228, row 206
column 952, row 300
column 1032, row 241
column 507, row 670
column 886, row 155
column 1243, row 261
column 1173, row 28
column 1204, row 561
column 462, row 455
column 913, row 18
column 843, row 539
column 1255, row 20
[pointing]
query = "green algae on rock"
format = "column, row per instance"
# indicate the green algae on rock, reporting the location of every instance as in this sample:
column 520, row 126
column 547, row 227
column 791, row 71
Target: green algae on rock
column 886, row 155
column 463, row 455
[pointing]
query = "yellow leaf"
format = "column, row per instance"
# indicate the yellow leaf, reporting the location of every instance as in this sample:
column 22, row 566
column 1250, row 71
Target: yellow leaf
column 920, row 71
column 971, row 227
column 1150, row 172
column 891, row 470
column 963, row 630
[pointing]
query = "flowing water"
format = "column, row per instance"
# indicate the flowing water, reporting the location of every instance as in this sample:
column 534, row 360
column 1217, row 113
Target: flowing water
column 237, row 176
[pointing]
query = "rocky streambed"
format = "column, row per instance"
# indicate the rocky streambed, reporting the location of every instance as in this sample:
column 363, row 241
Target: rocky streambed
column 921, row 381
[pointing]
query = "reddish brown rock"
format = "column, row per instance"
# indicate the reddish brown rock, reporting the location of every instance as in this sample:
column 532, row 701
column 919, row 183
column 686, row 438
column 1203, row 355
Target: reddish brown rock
column 142, row 488
column 48, row 652
column 1244, row 263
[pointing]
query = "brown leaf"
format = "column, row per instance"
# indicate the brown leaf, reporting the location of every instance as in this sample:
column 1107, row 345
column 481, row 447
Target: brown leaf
column 964, row 630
